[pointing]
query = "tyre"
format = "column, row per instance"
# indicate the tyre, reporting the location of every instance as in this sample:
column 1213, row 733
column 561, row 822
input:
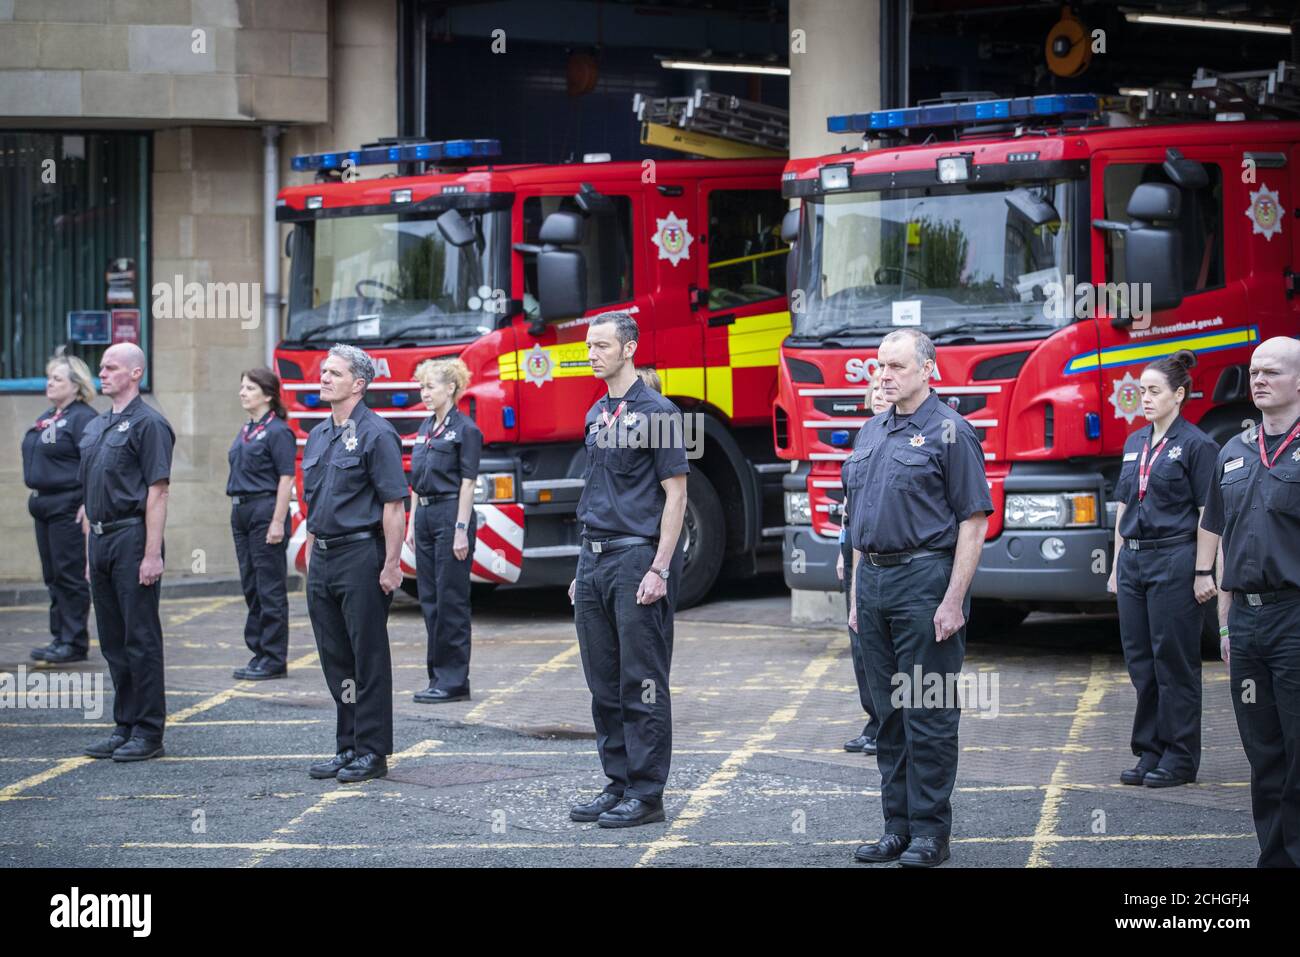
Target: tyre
column 703, row 540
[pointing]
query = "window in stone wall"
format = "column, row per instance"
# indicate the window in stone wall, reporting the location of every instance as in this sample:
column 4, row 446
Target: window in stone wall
column 74, row 249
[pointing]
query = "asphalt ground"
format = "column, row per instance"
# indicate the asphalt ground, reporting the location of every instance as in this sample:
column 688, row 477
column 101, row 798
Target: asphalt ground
column 759, row 776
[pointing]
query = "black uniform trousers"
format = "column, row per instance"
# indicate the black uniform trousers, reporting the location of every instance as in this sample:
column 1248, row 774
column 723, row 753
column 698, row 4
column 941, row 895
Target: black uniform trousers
column 855, row 649
column 62, row 547
column 626, row 652
column 349, row 616
column 1160, row 629
column 1264, row 665
column 263, row 575
column 443, row 582
column 917, row 746
column 130, row 632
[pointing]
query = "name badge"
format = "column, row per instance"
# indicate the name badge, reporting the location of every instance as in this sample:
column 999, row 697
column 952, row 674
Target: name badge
column 421, row 439
column 1130, row 456
column 1233, row 465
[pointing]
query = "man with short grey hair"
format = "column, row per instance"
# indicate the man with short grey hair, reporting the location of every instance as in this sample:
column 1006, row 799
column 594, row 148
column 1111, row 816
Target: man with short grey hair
column 355, row 491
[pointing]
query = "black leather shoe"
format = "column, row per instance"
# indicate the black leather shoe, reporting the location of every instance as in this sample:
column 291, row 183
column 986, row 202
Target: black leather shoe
column 586, row 813
column 38, row 654
column 925, row 852
column 869, row 745
column 105, row 748
column 138, row 749
column 63, row 655
column 887, row 849
column 856, row 744
column 364, row 768
column 328, row 769
column 261, row 674
column 432, row 695
column 1160, row 778
column 1135, row 775
column 631, row 812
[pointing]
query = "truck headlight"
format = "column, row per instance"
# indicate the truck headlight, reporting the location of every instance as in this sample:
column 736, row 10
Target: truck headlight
column 797, row 509
column 1051, row 510
column 495, row 487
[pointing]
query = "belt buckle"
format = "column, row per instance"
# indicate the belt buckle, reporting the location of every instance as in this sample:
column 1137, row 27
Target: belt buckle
column 597, row 547
column 320, row 543
column 1131, row 544
column 97, row 528
column 1254, row 599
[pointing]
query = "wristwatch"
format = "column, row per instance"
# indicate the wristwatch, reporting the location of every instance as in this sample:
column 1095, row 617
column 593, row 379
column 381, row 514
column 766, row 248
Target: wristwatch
column 461, row 526
column 1205, row 571
column 661, row 572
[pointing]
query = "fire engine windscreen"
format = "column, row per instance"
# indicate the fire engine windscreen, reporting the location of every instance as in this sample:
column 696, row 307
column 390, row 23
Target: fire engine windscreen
column 399, row 277
column 940, row 259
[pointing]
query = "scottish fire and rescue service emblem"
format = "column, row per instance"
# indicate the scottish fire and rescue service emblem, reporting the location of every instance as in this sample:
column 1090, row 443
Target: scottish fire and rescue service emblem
column 1126, row 398
column 1295, row 456
column 917, row 440
column 538, row 367
column 1264, row 212
column 673, row 239
column 1175, row 453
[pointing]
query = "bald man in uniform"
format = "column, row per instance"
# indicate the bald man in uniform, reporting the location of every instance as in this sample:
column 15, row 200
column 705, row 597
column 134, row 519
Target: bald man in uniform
column 1254, row 504
column 126, row 459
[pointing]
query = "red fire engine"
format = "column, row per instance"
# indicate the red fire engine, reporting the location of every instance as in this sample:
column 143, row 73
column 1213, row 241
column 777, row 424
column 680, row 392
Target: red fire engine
column 502, row 265
column 1050, row 253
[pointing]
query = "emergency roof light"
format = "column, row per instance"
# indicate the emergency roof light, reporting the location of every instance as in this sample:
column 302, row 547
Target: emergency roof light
column 964, row 114
column 428, row 151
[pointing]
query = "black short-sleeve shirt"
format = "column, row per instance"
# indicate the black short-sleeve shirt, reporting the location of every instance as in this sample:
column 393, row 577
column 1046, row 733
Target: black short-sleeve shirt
column 445, row 453
column 1257, row 511
column 263, row 452
column 1179, row 481
column 51, row 448
column 122, row 454
column 628, row 455
column 350, row 471
column 912, row 479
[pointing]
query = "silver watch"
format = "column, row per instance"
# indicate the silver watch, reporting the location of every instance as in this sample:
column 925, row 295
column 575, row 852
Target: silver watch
column 661, row 572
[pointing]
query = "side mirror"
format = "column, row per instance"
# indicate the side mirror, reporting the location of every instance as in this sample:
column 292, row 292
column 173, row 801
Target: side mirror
column 455, row 229
column 1152, row 251
column 790, row 226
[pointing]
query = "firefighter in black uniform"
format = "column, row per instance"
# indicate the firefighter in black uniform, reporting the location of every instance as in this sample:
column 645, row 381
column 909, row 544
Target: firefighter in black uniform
column 920, row 504
column 126, row 459
column 444, row 465
column 261, row 476
column 355, row 489
column 625, row 592
column 51, row 467
column 866, row 741
column 1163, row 480
column 1254, row 503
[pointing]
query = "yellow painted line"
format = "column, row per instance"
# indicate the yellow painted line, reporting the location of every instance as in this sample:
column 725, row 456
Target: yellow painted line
column 222, row 697
column 557, row 663
column 1085, row 711
column 698, row 803
column 209, row 606
column 11, row 791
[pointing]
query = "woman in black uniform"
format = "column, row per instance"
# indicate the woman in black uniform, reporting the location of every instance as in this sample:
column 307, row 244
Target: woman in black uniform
column 1164, row 477
column 444, row 465
column 51, row 462
column 261, row 476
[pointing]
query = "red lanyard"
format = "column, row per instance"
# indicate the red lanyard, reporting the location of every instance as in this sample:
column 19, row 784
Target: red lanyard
column 1144, row 470
column 46, row 423
column 261, row 427
column 605, row 418
column 442, row 425
column 1278, row 454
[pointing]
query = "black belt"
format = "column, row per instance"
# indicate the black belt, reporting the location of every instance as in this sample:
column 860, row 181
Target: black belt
column 440, row 497
column 102, row 528
column 334, row 541
column 1255, row 599
column 38, row 492
column 1142, row 544
column 599, row 545
column 904, row 558
column 240, row 499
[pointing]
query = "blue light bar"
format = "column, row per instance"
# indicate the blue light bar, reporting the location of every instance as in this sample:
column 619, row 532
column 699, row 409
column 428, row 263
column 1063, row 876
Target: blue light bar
column 965, row 114
column 431, row 151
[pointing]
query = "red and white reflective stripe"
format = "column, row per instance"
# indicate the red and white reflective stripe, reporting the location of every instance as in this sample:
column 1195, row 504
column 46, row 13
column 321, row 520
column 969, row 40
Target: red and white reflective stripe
column 499, row 550
column 297, row 537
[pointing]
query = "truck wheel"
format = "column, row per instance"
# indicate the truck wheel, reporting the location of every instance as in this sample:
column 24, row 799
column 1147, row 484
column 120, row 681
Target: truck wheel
column 993, row 619
column 703, row 539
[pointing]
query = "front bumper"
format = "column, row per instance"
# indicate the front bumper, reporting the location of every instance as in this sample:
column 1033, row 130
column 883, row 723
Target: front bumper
column 813, row 556
column 1012, row 567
